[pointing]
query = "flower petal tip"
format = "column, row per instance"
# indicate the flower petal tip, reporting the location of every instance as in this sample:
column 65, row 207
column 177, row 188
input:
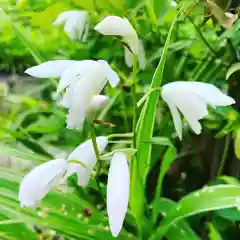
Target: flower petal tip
column 115, row 231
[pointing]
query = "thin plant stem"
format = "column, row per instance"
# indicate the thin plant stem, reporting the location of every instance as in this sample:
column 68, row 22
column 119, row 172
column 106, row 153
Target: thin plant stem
column 116, row 135
column 94, row 141
column 125, row 118
column 144, row 98
column 134, row 97
column 224, row 155
column 97, row 153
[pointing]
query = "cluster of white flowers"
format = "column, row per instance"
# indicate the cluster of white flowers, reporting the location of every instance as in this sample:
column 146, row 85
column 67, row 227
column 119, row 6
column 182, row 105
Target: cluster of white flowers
column 81, row 83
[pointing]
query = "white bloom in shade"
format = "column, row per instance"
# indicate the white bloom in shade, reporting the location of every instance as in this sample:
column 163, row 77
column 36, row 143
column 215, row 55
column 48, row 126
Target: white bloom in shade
column 81, row 80
column 118, row 187
column 191, row 99
column 38, row 182
column 86, row 154
column 98, row 102
column 140, row 56
column 117, row 26
column 76, row 24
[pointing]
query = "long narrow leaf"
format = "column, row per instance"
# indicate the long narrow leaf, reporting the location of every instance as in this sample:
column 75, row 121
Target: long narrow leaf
column 139, row 167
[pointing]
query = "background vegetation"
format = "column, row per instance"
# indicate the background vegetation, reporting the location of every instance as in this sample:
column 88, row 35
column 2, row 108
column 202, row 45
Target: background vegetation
column 198, row 194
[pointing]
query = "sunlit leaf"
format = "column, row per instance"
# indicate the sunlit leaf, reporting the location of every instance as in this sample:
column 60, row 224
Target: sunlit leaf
column 204, row 200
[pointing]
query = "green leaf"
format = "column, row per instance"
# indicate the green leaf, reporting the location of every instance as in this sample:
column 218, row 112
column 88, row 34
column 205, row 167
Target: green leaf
column 204, row 200
column 46, row 124
column 234, row 68
column 9, row 151
column 62, row 211
column 179, row 231
column 230, row 180
column 156, row 8
column 139, row 168
column 132, row 3
column 232, row 214
column 169, row 158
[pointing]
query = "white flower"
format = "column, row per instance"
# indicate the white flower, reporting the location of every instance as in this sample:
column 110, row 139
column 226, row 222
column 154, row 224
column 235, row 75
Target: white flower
column 81, row 80
column 128, row 56
column 191, row 98
column 118, row 187
column 98, row 102
column 38, row 182
column 76, row 24
column 117, row 26
column 86, row 154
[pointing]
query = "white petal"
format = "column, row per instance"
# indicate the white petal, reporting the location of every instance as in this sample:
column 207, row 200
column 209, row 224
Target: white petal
column 195, row 125
column 86, row 69
column 50, row 69
column 86, row 154
column 141, row 55
column 176, row 119
column 75, row 22
column 98, row 102
column 37, row 183
column 112, row 76
column 86, row 82
column 62, row 17
column 132, row 42
column 210, row 94
column 116, row 26
column 117, row 192
column 167, row 97
column 67, row 98
column 72, row 29
column 128, row 57
column 86, row 29
column 191, row 105
column 81, row 98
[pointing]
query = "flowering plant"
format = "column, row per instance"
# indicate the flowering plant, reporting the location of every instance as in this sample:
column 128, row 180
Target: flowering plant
column 83, row 94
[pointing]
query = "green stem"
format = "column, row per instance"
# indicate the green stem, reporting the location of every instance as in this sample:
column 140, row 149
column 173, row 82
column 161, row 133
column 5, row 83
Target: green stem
column 114, row 135
column 134, row 97
column 224, row 155
column 125, row 118
column 94, row 141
